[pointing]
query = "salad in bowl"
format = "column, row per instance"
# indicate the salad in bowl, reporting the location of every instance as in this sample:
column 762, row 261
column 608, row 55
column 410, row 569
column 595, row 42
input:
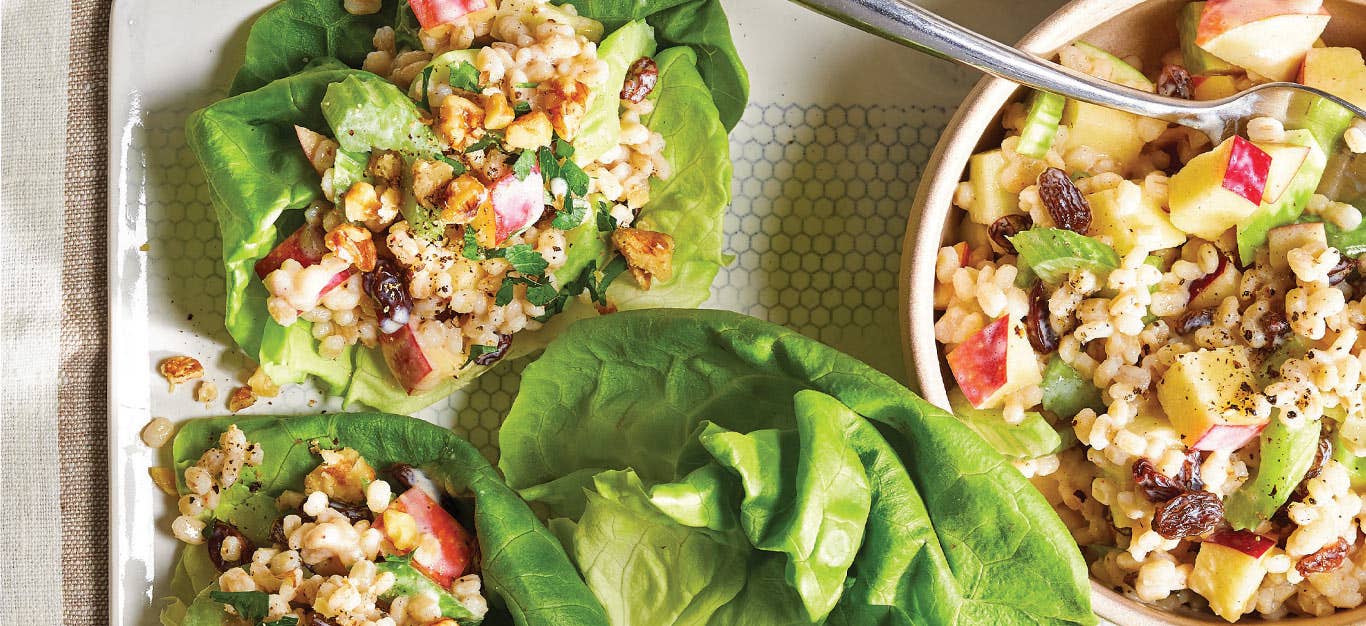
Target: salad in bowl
column 1173, row 328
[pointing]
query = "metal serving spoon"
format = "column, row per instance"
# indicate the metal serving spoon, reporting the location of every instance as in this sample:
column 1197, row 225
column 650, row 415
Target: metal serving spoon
column 902, row 22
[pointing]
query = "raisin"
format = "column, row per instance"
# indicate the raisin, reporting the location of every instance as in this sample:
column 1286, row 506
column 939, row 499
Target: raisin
column 1187, row 515
column 220, row 531
column 640, row 80
column 1190, row 471
column 1175, row 82
column 1199, row 285
column 1006, row 227
column 313, row 618
column 352, row 512
column 1066, row 204
column 489, row 358
column 1325, row 560
column 1040, row 331
column 1321, row 458
column 1341, row 271
column 277, row 532
column 1194, row 320
column 388, row 287
column 1156, row 486
column 405, row 475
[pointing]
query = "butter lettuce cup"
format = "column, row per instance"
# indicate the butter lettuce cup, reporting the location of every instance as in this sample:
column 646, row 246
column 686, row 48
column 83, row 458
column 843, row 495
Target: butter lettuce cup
column 411, row 192
column 1159, row 302
column 357, row 519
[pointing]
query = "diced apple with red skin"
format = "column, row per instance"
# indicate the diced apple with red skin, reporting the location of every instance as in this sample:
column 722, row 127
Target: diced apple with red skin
column 511, row 206
column 295, row 247
column 1228, row 571
column 416, row 361
column 432, row 13
column 1339, row 71
column 1211, row 289
column 1210, row 397
column 456, row 547
column 1217, row 190
column 1266, row 37
column 994, row 363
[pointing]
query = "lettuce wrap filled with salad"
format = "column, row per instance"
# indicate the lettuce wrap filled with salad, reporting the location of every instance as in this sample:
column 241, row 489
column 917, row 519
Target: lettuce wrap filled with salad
column 409, row 192
column 704, row 467
column 357, row 519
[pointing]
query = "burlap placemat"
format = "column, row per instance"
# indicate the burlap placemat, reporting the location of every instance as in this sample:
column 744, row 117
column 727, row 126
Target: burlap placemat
column 82, row 398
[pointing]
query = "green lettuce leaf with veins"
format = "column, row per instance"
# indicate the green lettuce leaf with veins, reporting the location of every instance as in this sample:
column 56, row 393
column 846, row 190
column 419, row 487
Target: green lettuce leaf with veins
column 293, row 33
column 700, row 410
column 601, row 128
column 528, row 578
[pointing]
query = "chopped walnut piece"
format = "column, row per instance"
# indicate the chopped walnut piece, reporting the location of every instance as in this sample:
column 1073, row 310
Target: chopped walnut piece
column 164, row 478
column 262, row 385
column 459, row 121
column 180, row 369
column 385, row 165
column 241, row 398
column 353, row 245
column 529, row 132
column 206, row 392
column 429, row 180
column 361, row 202
column 342, row 475
column 463, row 197
column 648, row 254
column 320, row 151
column 566, row 102
column 497, row 112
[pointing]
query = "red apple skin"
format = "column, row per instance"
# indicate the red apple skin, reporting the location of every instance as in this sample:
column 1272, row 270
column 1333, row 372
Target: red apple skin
column 1248, row 543
column 963, row 253
column 1247, row 170
column 979, row 364
column 516, row 204
column 1199, row 285
column 293, row 248
column 431, row 13
column 457, row 547
column 1228, row 436
column 1221, row 16
column 407, row 361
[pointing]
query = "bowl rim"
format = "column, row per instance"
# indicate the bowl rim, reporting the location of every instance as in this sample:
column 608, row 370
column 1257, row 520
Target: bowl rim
column 932, row 208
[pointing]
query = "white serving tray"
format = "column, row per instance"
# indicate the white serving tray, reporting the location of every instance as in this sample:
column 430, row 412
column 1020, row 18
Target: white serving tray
column 827, row 158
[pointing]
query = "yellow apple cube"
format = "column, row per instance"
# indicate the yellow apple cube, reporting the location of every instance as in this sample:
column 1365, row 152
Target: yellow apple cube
column 1132, row 220
column 1210, row 397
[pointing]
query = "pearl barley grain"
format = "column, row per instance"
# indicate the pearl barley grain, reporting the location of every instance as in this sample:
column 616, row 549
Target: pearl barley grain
column 157, row 432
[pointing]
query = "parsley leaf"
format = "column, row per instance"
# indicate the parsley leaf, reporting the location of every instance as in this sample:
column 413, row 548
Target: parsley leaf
column 465, row 76
column 505, row 291
column 455, row 165
column 576, row 177
column 525, row 161
column 478, row 350
column 571, row 216
column 253, row 606
column 526, row 85
column 563, row 149
column 573, row 288
column 606, row 223
column 288, row 620
column 540, row 293
column 521, row 107
column 471, row 248
column 480, row 145
column 525, row 259
column 610, row 272
column 550, row 168
column 426, row 84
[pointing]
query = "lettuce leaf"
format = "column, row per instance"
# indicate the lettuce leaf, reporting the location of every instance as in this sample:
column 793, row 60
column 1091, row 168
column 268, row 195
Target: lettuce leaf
column 697, row 24
column 291, row 34
column 952, row 535
column 601, row 128
column 1033, row 437
column 528, row 577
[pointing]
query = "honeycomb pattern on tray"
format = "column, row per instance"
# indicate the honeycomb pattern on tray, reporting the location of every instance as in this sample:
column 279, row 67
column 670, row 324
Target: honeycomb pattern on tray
column 821, row 200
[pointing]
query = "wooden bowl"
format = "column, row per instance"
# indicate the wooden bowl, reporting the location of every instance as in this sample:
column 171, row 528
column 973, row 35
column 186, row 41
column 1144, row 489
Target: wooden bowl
column 1146, row 28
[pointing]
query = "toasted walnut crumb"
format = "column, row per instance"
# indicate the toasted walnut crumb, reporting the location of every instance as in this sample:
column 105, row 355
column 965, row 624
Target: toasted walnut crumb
column 648, row 254
column 206, row 392
column 157, row 432
column 241, row 398
column 180, row 369
column 164, row 478
column 262, row 385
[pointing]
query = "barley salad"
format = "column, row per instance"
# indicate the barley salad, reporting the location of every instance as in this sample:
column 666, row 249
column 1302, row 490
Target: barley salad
column 1166, row 335
column 409, row 192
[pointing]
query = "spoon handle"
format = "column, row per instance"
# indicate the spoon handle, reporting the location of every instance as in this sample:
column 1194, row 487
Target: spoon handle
column 902, row 22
